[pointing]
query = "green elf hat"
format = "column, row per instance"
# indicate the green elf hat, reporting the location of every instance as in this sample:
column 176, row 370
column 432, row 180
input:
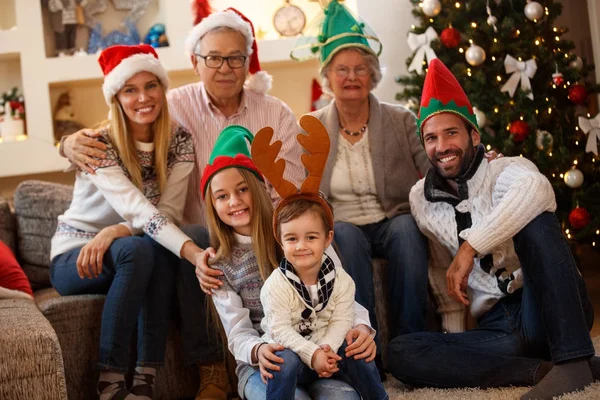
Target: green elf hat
column 443, row 94
column 335, row 30
column 231, row 150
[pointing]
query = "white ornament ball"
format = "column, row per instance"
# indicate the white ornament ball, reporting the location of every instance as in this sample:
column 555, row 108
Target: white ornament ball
column 574, row 178
column 431, row 8
column 491, row 20
column 544, row 140
column 534, row 11
column 475, row 55
column 577, row 63
column 480, row 116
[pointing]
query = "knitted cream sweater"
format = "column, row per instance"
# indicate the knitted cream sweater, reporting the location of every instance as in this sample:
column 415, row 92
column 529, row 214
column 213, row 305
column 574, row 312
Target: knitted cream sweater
column 503, row 197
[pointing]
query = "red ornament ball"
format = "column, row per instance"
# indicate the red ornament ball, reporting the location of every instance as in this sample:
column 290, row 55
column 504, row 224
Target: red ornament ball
column 450, row 37
column 519, row 129
column 579, row 218
column 578, row 93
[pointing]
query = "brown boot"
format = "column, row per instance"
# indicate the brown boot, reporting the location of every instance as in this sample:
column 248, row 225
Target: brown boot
column 214, row 383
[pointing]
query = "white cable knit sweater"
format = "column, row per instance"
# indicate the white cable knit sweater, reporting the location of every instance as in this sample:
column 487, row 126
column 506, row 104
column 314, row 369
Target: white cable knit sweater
column 503, row 197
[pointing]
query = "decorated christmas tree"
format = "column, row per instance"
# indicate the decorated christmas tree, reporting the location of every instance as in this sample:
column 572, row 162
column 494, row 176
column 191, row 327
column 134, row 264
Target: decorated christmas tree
column 530, row 90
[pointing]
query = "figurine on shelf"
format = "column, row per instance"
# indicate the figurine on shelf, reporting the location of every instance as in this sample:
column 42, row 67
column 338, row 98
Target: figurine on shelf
column 156, row 36
column 97, row 42
column 11, row 126
column 66, row 15
column 64, row 117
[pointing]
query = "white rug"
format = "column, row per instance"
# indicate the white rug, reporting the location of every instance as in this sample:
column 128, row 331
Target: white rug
column 396, row 391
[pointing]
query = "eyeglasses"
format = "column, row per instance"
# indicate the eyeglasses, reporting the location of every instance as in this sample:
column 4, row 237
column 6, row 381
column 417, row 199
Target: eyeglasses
column 343, row 72
column 217, row 61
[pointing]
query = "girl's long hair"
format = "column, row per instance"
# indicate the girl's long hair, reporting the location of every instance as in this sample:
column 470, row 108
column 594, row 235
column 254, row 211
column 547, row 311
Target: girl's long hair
column 266, row 249
column 124, row 142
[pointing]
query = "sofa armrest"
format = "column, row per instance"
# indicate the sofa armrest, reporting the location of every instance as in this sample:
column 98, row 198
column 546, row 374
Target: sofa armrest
column 31, row 365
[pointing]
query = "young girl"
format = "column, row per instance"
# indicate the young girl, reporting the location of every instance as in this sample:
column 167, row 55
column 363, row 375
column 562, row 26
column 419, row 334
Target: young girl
column 308, row 301
column 139, row 186
column 239, row 216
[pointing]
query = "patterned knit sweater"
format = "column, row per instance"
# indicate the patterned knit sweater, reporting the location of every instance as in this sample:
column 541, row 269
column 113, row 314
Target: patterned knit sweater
column 108, row 197
column 496, row 200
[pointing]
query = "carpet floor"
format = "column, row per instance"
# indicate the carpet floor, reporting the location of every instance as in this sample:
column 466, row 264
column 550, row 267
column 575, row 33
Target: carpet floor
column 397, row 391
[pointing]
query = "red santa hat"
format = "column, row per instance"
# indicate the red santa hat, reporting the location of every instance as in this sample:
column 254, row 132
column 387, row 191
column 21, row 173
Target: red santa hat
column 119, row 63
column 259, row 81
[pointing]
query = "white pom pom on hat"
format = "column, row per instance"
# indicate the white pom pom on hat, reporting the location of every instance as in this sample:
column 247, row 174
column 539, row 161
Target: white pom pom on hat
column 259, row 81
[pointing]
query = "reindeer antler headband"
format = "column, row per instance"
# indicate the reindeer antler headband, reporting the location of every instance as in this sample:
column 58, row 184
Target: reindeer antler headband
column 264, row 155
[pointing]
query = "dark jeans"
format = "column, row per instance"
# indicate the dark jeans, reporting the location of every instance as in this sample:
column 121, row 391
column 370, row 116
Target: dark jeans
column 360, row 374
column 200, row 341
column 549, row 318
column 137, row 278
column 399, row 241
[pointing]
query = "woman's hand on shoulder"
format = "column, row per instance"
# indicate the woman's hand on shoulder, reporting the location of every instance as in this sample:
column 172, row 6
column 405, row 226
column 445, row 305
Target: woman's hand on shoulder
column 492, row 155
column 206, row 275
column 266, row 359
column 360, row 343
column 83, row 150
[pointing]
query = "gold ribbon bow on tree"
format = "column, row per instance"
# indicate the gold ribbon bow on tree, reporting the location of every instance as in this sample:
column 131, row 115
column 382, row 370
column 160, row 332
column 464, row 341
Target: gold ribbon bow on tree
column 422, row 45
column 521, row 71
column 591, row 127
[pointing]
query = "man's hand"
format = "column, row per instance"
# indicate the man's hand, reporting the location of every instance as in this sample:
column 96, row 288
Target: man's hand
column 83, row 151
column 266, row 358
column 492, row 155
column 205, row 274
column 457, row 276
column 360, row 343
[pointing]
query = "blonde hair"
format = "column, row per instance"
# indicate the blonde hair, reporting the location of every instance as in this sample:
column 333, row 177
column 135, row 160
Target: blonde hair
column 266, row 249
column 124, row 143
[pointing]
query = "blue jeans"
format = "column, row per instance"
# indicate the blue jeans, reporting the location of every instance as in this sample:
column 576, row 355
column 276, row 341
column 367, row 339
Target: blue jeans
column 399, row 241
column 200, row 341
column 137, row 279
column 549, row 318
column 363, row 376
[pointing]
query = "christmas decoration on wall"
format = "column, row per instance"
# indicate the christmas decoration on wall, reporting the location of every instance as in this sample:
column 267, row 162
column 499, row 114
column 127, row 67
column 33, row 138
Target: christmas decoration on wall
column 421, row 45
column 97, row 42
column 157, row 36
column 65, row 16
column 519, row 130
column 534, row 11
column 480, row 116
column 521, row 71
column 578, row 94
column 431, row 8
column 573, row 178
column 138, row 8
column 591, row 127
column 12, row 114
column 64, row 117
column 544, row 140
column 579, row 218
column 200, row 10
column 450, row 37
column 475, row 55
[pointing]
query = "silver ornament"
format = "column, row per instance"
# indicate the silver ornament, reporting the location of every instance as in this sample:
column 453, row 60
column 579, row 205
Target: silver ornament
column 544, row 140
column 577, row 63
column 574, row 178
column 431, row 8
column 534, row 11
column 475, row 55
column 492, row 21
column 480, row 116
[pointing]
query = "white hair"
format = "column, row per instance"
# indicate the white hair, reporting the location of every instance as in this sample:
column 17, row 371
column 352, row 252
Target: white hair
column 371, row 60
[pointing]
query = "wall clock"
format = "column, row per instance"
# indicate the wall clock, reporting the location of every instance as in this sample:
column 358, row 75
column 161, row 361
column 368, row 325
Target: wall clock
column 289, row 20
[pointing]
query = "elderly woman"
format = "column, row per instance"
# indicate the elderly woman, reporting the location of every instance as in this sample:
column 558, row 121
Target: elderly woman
column 374, row 160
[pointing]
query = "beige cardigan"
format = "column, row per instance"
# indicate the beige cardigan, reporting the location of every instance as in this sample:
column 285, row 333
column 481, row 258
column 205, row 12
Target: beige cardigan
column 398, row 157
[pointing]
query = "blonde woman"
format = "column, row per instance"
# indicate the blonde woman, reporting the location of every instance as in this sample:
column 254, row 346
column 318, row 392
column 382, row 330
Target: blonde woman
column 139, row 187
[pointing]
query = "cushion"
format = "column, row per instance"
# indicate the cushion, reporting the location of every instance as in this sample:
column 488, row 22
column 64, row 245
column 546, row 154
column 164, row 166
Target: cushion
column 37, row 207
column 13, row 282
column 7, row 225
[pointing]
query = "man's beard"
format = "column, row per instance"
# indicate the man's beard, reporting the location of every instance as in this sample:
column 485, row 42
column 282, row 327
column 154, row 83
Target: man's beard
column 467, row 158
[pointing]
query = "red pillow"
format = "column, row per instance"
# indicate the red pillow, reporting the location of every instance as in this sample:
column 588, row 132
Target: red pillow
column 11, row 275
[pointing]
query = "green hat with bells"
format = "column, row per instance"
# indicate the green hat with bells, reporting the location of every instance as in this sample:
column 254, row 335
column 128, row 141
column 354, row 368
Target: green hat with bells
column 335, row 30
column 231, row 150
